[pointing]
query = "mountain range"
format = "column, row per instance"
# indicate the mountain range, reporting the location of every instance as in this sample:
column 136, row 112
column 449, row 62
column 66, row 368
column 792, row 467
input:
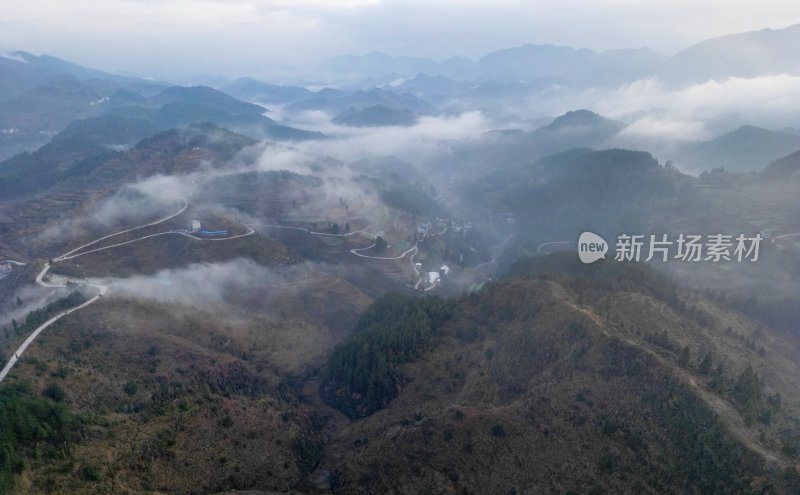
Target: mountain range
column 384, row 310
column 748, row 54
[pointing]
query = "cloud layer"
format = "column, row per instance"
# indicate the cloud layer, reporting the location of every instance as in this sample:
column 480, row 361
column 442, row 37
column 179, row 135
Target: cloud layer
column 271, row 38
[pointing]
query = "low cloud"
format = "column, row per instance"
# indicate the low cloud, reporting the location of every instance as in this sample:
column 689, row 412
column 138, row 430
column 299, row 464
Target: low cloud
column 652, row 127
column 196, row 285
column 32, row 297
column 656, row 109
column 236, row 284
column 709, row 107
column 127, row 206
column 171, row 188
column 414, row 143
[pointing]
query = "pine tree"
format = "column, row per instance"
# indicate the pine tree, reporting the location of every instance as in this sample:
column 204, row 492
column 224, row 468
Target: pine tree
column 747, row 392
column 685, row 357
column 718, row 379
column 705, row 365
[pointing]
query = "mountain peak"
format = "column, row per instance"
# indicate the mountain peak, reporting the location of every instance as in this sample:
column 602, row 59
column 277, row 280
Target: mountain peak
column 575, row 118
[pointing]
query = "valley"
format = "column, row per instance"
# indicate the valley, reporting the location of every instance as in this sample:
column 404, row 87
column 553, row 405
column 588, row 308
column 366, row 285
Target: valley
column 364, row 277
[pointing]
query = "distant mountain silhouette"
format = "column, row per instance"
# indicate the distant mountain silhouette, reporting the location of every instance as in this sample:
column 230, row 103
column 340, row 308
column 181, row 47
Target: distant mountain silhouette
column 768, row 51
column 375, row 116
column 745, row 149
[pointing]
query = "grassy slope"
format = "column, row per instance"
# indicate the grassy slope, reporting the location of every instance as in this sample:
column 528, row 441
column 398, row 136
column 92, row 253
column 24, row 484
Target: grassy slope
column 560, row 386
column 214, row 403
column 542, row 383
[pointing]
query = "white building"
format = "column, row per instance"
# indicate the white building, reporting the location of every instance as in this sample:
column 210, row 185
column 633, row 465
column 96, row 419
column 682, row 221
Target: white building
column 445, row 270
column 433, row 277
column 194, row 226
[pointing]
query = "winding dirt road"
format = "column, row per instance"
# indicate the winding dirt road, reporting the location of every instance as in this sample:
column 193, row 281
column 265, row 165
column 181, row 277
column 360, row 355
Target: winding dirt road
column 414, row 250
column 102, row 289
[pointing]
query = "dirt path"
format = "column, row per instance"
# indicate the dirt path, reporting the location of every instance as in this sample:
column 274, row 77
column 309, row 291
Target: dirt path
column 169, row 217
column 724, row 410
column 97, row 285
column 21, row 349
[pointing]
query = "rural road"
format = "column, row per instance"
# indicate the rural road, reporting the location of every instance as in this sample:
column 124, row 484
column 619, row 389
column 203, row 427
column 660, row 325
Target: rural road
column 21, row 349
column 101, row 288
column 79, row 248
column 785, row 236
column 357, row 251
column 74, row 253
column 551, row 243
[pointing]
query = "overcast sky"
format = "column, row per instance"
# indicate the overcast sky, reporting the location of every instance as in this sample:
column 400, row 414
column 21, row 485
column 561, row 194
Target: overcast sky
column 271, row 38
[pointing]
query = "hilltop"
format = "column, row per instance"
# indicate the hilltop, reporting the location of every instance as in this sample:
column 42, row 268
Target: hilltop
column 623, row 381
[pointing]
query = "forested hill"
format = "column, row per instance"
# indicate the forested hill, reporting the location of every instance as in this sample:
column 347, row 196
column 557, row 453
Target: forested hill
column 622, row 381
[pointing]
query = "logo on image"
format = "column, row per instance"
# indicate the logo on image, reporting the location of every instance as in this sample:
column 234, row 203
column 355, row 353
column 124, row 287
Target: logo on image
column 591, row 247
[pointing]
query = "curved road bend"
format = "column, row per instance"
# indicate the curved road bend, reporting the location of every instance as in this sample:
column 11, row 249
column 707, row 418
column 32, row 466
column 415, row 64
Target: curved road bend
column 102, row 288
column 64, row 256
column 550, row 243
column 21, row 349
